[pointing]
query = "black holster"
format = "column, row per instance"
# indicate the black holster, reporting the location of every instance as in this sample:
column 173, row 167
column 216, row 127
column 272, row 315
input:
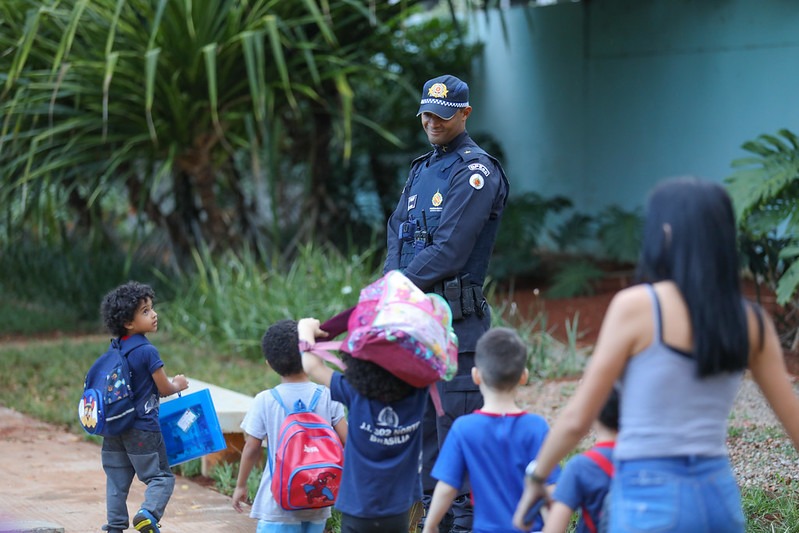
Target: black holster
column 464, row 300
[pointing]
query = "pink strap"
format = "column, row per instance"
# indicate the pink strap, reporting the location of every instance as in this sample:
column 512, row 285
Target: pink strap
column 436, row 397
column 323, row 351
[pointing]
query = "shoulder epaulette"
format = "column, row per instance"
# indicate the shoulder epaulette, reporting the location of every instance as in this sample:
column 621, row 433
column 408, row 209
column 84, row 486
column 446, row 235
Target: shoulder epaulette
column 421, row 158
column 471, row 152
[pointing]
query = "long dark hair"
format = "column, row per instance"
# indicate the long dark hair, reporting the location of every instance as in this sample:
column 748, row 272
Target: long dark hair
column 690, row 238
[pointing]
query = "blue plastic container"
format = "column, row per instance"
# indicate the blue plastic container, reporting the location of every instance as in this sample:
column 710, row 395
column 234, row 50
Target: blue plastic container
column 190, row 427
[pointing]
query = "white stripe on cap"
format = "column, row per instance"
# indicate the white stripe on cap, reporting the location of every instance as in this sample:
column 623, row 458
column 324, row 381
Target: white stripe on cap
column 443, row 102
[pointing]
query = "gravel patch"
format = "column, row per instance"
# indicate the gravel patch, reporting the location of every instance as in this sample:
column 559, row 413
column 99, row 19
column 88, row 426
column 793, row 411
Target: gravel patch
column 761, row 453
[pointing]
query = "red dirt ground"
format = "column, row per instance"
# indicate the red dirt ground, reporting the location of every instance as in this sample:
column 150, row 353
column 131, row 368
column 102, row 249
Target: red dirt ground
column 588, row 311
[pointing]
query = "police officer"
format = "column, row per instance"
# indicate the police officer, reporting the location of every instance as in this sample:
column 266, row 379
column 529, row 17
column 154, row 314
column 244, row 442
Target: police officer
column 441, row 236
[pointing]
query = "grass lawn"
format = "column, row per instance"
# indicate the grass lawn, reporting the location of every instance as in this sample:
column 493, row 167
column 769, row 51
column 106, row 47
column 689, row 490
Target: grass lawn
column 44, row 377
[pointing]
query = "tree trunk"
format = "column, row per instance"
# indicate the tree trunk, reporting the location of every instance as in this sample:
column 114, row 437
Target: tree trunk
column 196, row 163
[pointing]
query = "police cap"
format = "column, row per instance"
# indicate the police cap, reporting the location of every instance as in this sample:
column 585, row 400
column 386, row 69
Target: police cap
column 443, row 96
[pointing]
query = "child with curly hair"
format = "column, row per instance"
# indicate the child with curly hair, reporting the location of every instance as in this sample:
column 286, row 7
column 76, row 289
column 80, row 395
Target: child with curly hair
column 381, row 479
column 129, row 314
column 262, row 425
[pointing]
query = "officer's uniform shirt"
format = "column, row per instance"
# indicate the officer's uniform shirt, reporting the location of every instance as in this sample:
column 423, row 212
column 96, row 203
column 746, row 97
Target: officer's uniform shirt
column 462, row 191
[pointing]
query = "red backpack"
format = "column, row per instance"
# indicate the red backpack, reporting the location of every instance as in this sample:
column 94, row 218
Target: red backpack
column 309, row 457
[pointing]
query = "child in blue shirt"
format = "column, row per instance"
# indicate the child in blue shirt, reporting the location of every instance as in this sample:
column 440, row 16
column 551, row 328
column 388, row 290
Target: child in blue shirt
column 585, row 480
column 129, row 315
column 382, row 458
column 493, row 445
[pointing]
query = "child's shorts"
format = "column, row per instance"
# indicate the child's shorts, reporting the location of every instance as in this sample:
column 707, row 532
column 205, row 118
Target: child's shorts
column 293, row 527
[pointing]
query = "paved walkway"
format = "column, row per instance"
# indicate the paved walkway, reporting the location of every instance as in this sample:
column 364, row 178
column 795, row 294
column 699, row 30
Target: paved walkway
column 52, row 481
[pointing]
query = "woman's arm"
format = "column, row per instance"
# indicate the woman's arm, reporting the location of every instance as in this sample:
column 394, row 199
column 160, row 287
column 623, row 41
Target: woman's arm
column 767, row 365
column 627, row 319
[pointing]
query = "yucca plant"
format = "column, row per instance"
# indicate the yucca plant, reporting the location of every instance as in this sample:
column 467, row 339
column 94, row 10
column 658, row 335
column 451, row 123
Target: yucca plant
column 201, row 112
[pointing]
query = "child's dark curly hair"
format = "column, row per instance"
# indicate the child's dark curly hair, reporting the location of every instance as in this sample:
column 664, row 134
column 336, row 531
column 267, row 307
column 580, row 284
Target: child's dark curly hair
column 120, row 305
column 280, row 348
column 373, row 381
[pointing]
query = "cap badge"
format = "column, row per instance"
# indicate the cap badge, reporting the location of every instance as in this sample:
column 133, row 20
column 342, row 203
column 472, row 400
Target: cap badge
column 437, row 90
column 476, row 181
column 437, row 199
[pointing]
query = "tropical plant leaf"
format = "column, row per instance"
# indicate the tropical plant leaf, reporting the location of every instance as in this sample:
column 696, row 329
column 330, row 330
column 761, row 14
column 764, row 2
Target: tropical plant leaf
column 765, row 191
column 620, row 233
column 788, row 284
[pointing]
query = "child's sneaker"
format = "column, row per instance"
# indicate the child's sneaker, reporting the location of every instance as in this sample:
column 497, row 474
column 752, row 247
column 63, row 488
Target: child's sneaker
column 145, row 522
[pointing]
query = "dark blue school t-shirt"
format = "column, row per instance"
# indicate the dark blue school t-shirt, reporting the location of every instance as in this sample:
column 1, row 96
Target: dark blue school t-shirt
column 382, row 457
column 143, row 360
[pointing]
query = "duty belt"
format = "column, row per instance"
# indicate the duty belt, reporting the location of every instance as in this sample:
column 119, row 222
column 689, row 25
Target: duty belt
column 463, row 299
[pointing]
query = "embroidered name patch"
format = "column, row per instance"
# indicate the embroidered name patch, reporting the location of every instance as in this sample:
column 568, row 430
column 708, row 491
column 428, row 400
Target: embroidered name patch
column 477, row 181
column 482, row 168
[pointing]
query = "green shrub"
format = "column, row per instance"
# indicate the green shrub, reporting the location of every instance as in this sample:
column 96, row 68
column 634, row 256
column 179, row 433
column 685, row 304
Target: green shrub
column 71, row 277
column 516, row 251
column 232, row 299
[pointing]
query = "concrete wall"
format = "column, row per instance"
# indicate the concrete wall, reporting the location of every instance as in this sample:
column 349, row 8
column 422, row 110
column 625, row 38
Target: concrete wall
column 599, row 101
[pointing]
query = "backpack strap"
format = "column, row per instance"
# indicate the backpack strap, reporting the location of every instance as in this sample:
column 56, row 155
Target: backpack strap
column 315, row 398
column 337, row 325
column 760, row 324
column 116, row 343
column 602, row 462
column 299, row 406
column 588, row 521
column 279, row 400
column 436, row 397
column 323, row 351
column 607, row 467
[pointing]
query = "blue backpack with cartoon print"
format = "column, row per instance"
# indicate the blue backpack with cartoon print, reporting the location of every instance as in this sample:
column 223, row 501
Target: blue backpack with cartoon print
column 106, row 407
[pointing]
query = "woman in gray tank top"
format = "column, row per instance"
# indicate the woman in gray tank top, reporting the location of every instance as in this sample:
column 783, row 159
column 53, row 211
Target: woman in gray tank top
column 679, row 347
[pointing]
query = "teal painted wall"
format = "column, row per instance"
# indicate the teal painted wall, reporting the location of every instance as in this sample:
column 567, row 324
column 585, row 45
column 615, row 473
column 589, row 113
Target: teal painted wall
column 600, row 101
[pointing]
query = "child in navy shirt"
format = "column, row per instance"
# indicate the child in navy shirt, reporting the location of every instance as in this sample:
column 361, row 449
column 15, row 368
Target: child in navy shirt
column 382, row 458
column 493, row 445
column 585, row 480
column 129, row 314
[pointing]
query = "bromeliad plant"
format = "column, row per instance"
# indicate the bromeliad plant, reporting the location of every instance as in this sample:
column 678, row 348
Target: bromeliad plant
column 765, row 191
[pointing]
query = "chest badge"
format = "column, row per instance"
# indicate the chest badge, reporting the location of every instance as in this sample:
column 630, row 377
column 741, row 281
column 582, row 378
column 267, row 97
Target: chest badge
column 437, row 199
column 477, row 181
